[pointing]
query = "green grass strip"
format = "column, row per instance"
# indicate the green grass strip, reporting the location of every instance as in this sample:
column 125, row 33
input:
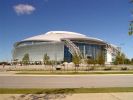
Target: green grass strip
column 65, row 90
column 72, row 73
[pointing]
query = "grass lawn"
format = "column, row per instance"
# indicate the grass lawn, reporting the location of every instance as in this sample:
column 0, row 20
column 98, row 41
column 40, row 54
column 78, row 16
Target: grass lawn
column 65, row 90
column 72, row 73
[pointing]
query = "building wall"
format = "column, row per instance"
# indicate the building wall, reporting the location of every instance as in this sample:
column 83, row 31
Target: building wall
column 58, row 52
column 36, row 51
column 111, row 54
column 109, row 58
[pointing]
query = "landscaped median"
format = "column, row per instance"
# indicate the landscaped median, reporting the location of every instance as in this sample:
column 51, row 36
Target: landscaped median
column 71, row 73
column 64, row 90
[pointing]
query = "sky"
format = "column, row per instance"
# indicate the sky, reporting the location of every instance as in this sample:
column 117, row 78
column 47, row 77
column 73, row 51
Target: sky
column 104, row 19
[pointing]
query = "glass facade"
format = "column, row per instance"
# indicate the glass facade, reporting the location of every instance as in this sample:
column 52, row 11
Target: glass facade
column 87, row 50
column 55, row 50
column 25, row 43
column 67, row 55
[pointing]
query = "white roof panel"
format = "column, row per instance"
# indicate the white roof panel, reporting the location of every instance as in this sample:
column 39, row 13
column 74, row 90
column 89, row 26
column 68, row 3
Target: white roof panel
column 59, row 35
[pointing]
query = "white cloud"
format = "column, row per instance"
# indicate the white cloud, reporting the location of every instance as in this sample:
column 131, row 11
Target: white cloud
column 24, row 9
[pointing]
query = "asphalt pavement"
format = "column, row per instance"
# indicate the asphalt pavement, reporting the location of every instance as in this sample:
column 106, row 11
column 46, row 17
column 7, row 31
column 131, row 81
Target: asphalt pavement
column 65, row 81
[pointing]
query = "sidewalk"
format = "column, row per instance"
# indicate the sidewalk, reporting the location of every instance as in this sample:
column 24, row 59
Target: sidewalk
column 81, row 96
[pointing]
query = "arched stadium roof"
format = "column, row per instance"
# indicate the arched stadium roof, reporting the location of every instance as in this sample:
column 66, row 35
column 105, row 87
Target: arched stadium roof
column 60, row 35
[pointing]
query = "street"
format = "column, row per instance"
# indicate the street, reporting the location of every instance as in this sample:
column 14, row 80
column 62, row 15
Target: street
column 65, row 81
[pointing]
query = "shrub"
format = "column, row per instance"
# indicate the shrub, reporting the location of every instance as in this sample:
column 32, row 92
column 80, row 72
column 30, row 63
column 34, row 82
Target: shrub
column 124, row 68
column 91, row 68
column 107, row 68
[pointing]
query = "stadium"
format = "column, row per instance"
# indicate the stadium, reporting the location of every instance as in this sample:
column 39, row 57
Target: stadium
column 62, row 45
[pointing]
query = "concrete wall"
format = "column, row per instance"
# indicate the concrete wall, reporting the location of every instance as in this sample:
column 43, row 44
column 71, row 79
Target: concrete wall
column 109, row 57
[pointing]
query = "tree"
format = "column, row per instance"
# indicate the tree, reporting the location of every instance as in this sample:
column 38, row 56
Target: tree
column 132, row 61
column 123, row 58
column 76, row 60
column 130, row 28
column 26, row 59
column 90, row 61
column 131, row 24
column 101, row 59
column 46, row 59
column 127, row 61
column 120, row 57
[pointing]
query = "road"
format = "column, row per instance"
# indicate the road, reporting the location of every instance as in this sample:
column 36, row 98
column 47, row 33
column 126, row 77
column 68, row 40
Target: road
column 86, row 81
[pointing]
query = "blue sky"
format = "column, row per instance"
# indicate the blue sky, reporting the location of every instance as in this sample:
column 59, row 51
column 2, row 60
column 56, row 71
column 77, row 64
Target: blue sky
column 104, row 19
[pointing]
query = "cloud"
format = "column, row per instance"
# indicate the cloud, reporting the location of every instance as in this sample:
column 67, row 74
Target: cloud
column 21, row 9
